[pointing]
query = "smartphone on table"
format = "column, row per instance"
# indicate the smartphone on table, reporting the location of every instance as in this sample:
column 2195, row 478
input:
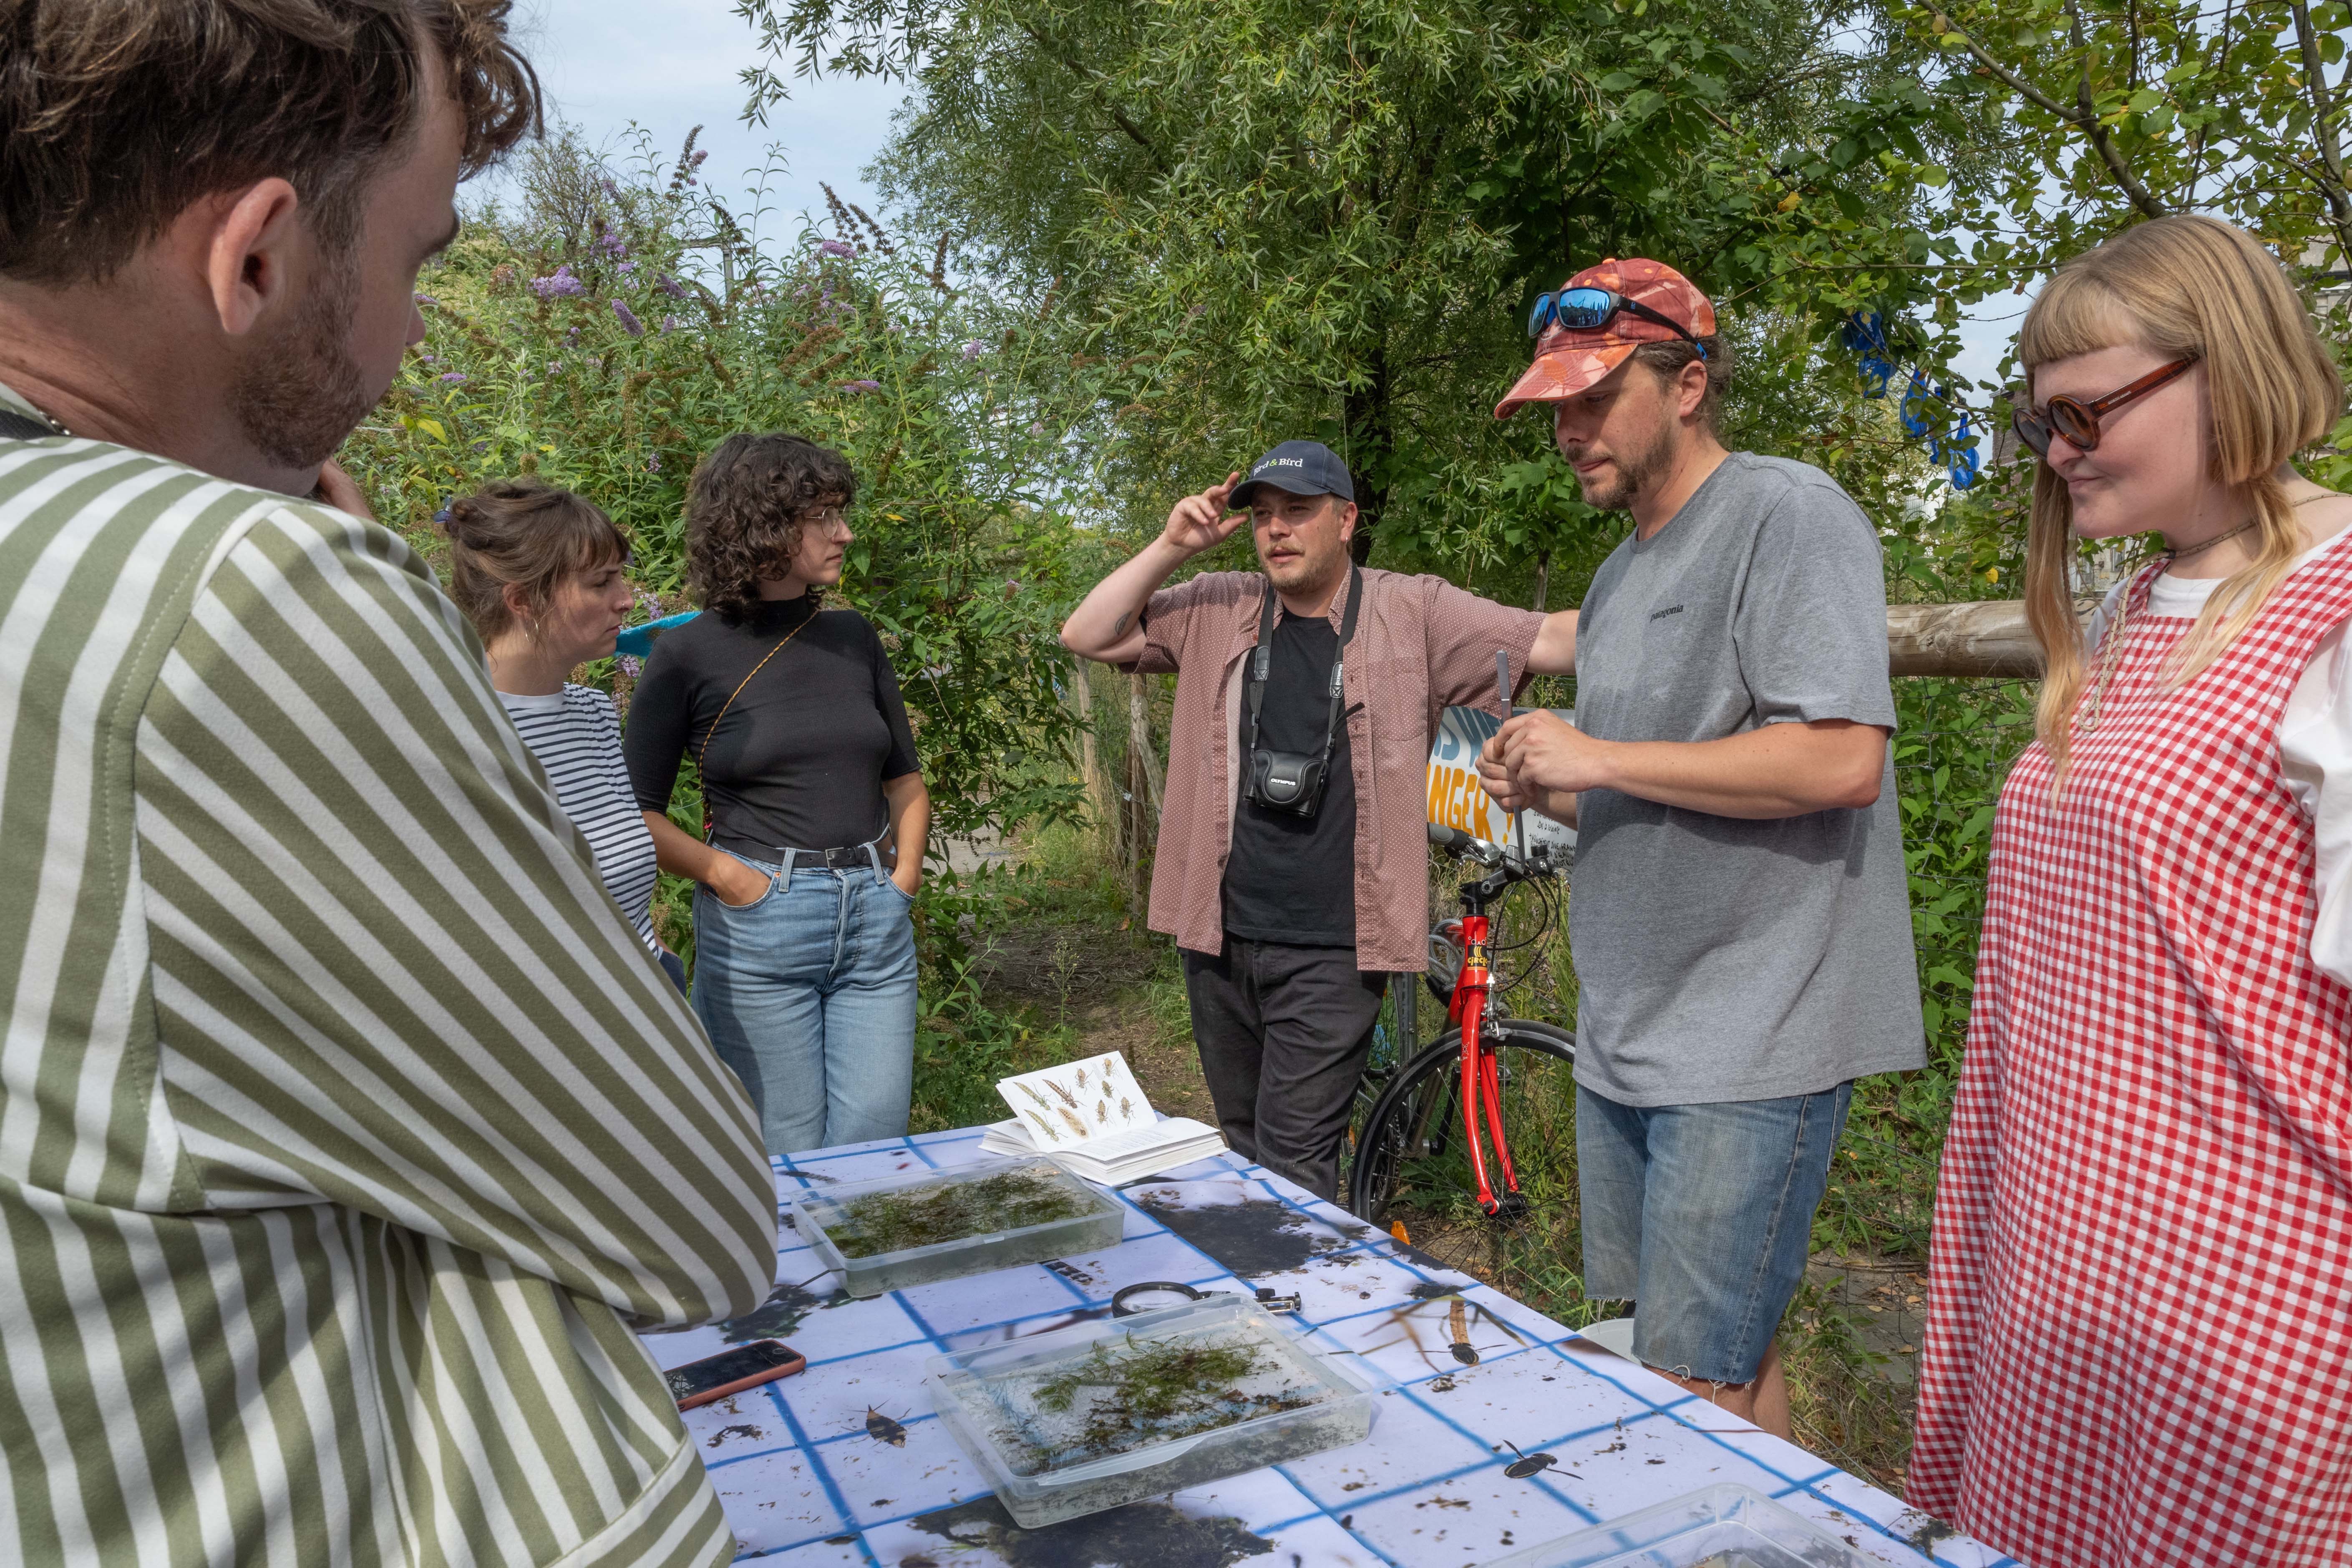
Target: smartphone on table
column 700, row 1382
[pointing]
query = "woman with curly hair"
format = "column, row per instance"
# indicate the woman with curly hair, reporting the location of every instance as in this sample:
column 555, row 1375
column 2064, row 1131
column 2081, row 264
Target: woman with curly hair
column 815, row 813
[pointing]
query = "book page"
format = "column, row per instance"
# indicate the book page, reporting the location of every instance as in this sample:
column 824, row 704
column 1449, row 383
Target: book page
column 1073, row 1104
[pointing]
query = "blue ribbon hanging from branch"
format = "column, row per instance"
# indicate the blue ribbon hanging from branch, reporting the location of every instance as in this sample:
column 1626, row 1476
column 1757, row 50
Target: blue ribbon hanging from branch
column 1865, row 335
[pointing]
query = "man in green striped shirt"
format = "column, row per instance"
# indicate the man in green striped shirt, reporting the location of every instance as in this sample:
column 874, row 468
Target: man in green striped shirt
column 347, row 1132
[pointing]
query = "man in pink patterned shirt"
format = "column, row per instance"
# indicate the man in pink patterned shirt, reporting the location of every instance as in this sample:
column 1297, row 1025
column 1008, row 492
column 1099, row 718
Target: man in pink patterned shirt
column 1292, row 863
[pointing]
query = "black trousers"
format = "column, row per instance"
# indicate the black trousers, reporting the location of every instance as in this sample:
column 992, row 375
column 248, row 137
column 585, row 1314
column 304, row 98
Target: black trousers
column 1284, row 1033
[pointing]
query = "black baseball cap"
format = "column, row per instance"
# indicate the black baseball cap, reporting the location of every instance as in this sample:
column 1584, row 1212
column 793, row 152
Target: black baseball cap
column 1302, row 467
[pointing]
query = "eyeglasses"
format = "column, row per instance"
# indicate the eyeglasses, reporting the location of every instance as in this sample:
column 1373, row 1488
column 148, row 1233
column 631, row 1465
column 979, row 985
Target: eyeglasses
column 2078, row 421
column 827, row 518
column 1583, row 310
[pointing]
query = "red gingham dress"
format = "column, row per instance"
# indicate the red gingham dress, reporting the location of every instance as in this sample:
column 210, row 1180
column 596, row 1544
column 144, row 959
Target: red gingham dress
column 2139, row 1325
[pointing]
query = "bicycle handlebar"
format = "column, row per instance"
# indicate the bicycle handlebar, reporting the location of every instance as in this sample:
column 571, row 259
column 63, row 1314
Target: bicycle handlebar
column 1446, row 837
column 1485, row 854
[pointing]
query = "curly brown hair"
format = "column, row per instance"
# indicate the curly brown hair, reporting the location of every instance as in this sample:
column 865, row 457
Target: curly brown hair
column 523, row 531
column 744, row 510
column 116, row 116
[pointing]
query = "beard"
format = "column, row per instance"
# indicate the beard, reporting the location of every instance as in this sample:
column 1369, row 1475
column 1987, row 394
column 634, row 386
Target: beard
column 1310, row 573
column 301, row 392
column 1633, row 472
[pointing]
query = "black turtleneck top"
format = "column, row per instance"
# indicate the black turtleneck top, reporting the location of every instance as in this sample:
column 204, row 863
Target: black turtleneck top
column 799, row 760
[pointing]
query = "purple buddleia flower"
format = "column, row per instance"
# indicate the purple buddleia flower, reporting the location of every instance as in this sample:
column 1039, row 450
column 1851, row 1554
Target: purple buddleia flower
column 625, row 269
column 609, row 188
column 454, row 378
column 836, row 248
column 699, row 155
column 610, row 244
column 573, row 336
column 647, row 605
column 629, row 322
column 631, row 665
column 426, row 301
column 861, row 386
column 555, row 365
column 558, row 284
column 670, row 285
column 971, row 349
column 669, row 323
column 653, row 464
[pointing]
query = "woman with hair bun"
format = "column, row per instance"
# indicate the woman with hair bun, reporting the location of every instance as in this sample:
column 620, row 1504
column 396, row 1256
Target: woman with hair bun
column 542, row 574
column 814, row 807
column 2139, row 1311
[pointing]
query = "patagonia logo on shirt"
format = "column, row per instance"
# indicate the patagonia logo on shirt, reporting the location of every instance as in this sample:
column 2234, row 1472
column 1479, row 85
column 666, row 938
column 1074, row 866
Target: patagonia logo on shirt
column 1669, row 610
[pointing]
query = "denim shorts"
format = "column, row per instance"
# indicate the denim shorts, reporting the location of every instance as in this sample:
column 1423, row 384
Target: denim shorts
column 1702, row 1216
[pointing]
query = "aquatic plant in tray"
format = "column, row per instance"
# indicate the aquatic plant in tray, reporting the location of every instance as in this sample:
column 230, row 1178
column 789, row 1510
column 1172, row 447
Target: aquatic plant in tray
column 937, row 1211
column 942, row 1225
column 1086, row 1419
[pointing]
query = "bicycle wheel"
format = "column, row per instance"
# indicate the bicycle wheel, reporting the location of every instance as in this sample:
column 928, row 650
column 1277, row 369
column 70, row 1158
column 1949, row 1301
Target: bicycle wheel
column 1409, row 1163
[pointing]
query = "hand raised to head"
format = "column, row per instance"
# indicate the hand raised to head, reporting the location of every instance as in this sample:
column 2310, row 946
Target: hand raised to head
column 1201, row 522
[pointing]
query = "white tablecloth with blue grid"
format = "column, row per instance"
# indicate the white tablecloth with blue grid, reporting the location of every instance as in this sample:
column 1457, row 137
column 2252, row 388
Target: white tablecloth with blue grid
column 809, row 1473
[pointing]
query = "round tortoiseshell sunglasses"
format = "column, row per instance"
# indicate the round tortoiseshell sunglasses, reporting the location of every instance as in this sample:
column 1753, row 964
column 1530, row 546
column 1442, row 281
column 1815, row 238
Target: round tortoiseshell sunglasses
column 2078, row 422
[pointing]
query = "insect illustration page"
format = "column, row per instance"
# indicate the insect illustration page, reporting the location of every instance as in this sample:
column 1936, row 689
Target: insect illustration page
column 1078, row 1104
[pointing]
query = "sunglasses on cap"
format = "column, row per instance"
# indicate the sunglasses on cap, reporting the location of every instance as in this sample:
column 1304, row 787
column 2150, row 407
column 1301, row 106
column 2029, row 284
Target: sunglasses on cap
column 1584, row 309
column 2078, row 422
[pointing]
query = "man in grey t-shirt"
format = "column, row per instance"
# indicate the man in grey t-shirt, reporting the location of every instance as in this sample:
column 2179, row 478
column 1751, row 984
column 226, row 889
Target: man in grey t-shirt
column 1741, row 926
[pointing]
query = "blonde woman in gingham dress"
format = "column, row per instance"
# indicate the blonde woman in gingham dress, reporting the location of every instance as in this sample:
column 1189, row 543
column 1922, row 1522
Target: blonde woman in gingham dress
column 2139, row 1341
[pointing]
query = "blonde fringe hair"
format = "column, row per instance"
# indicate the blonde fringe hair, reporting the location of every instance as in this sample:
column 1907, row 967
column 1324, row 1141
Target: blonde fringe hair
column 2184, row 288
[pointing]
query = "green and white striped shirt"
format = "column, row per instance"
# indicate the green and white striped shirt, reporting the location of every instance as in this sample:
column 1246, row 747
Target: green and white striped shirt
column 347, row 1130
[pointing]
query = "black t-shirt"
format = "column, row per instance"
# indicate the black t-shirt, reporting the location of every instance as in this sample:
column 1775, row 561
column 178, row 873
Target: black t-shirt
column 1292, row 878
column 798, row 762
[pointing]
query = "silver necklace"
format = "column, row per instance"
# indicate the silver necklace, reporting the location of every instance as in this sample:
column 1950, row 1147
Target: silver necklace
column 46, row 417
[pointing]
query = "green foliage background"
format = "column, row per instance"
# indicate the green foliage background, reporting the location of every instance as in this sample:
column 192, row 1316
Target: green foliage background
column 1155, row 238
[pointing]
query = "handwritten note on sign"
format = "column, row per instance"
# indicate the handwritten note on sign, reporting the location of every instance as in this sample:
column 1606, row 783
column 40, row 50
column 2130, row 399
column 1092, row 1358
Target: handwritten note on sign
column 1458, row 800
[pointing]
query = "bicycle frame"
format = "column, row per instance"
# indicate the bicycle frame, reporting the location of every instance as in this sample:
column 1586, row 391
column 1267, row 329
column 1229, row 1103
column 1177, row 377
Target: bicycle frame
column 1482, row 1080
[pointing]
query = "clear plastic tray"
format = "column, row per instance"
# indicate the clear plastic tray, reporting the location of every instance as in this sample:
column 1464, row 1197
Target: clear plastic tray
column 1724, row 1526
column 839, row 1221
column 1054, row 1421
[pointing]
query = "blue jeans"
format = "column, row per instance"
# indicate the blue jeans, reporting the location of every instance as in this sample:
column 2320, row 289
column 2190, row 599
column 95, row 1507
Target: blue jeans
column 808, row 992
column 1702, row 1216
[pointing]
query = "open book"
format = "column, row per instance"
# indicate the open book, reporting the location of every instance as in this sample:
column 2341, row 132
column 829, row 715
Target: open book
column 1091, row 1118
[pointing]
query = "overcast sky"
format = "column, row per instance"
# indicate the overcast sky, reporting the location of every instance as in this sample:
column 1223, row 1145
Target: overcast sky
column 670, row 65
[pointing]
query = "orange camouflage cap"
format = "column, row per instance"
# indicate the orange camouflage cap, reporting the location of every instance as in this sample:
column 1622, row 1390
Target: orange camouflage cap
column 1569, row 361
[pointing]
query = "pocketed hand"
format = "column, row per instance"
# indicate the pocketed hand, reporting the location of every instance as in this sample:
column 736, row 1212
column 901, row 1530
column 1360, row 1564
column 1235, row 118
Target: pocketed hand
column 734, row 884
column 909, row 879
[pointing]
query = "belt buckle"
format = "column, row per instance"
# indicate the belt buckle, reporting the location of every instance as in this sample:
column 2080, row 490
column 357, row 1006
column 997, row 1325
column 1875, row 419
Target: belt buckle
column 840, row 859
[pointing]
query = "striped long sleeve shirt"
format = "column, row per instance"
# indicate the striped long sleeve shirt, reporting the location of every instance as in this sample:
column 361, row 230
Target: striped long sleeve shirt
column 346, row 1130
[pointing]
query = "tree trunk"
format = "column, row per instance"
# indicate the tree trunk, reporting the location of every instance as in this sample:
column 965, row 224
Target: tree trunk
column 1366, row 415
column 1143, row 783
column 1989, row 637
column 1099, row 793
column 1139, row 739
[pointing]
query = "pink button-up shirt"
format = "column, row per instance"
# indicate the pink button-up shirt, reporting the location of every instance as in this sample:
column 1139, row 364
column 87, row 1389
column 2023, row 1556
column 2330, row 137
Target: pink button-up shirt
column 1422, row 645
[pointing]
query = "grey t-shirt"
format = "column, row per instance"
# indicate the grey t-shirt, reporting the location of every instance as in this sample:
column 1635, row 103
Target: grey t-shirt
column 1720, row 959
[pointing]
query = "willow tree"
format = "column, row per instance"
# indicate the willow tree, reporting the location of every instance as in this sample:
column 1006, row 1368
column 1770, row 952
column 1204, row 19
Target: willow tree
column 1270, row 218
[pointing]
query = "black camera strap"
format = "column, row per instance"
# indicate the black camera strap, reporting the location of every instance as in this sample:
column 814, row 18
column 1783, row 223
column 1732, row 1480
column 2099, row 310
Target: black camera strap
column 1262, row 663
